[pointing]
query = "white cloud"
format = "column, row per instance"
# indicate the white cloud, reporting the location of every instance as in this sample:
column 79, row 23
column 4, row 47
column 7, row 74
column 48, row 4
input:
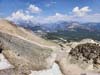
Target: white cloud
column 63, row 17
column 50, row 4
column 19, row 16
column 81, row 11
column 79, row 15
column 92, row 18
column 24, row 15
column 34, row 9
column 57, row 17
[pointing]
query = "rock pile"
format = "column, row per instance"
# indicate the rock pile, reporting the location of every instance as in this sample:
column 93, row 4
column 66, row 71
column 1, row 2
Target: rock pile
column 86, row 53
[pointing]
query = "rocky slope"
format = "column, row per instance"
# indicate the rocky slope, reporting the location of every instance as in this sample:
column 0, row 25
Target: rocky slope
column 86, row 54
column 71, row 62
column 24, row 49
column 27, row 54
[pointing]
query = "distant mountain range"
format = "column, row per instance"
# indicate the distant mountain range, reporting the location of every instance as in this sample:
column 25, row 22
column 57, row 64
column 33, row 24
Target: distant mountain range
column 66, row 30
column 62, row 25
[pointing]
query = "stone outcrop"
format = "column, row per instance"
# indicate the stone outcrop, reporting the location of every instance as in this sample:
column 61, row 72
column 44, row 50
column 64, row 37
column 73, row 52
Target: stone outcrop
column 86, row 54
column 52, row 71
column 32, row 55
column 24, row 49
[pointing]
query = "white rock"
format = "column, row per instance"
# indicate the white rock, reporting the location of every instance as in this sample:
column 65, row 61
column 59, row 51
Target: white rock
column 53, row 71
column 87, row 41
column 4, row 64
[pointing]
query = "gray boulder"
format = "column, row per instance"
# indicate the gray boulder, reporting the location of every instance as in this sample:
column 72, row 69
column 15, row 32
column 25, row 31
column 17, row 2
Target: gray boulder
column 24, row 49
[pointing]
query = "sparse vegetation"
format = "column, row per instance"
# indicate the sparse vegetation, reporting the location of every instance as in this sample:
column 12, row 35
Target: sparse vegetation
column 73, row 35
column 86, row 53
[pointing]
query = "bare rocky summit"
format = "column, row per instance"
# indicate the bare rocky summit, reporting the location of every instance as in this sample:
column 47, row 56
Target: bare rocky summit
column 30, row 54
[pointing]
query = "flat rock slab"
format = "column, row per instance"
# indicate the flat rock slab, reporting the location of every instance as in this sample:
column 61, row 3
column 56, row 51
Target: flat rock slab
column 24, row 54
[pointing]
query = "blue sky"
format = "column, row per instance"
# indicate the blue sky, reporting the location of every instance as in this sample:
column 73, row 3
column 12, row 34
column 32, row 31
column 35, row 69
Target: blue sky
column 47, row 8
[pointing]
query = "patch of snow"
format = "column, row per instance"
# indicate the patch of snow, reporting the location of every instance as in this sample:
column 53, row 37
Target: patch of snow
column 4, row 64
column 53, row 71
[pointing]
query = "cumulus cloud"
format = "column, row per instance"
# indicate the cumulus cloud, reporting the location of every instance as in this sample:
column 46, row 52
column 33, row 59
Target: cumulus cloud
column 19, row 16
column 81, row 11
column 34, row 9
column 24, row 15
column 79, row 15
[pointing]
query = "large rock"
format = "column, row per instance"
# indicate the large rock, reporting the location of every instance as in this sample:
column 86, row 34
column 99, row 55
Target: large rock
column 86, row 55
column 25, row 50
column 55, row 70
